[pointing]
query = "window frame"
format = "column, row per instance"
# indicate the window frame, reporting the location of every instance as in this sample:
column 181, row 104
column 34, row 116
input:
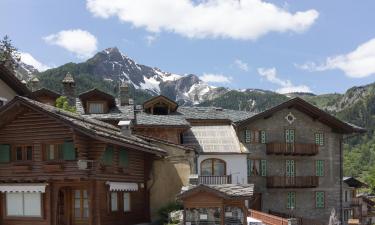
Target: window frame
column 103, row 103
column 319, row 138
column 319, row 173
column 324, row 200
column 120, row 202
column 41, row 216
column 213, row 166
column 24, row 153
column 58, row 151
column 289, row 201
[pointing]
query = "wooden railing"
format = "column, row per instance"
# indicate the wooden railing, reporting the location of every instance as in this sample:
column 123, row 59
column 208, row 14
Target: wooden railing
column 215, row 179
column 267, row 218
column 292, row 182
column 292, row 149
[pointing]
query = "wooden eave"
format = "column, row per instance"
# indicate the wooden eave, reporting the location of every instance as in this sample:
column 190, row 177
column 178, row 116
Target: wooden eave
column 46, row 92
column 12, row 81
column 314, row 112
column 160, row 98
column 98, row 95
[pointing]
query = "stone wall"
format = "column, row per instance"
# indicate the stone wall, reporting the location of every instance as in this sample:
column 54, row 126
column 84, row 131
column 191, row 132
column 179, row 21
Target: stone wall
column 305, row 129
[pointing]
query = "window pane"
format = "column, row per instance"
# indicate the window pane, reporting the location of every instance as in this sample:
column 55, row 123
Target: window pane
column 206, row 168
column 219, row 168
column 114, row 201
column 126, row 202
column 19, row 153
column 29, row 153
column 14, row 204
column 33, row 206
column 96, row 108
column 51, row 152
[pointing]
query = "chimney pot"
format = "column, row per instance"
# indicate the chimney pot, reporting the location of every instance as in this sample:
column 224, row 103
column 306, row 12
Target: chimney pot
column 124, row 94
column 69, row 89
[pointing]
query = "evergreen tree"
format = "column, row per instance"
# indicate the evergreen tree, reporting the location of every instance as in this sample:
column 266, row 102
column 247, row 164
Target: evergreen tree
column 9, row 55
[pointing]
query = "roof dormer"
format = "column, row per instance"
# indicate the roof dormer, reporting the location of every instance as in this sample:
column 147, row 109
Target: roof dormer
column 160, row 105
column 97, row 102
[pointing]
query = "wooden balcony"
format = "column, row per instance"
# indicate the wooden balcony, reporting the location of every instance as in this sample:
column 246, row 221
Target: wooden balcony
column 292, row 149
column 215, row 179
column 356, row 202
column 292, row 182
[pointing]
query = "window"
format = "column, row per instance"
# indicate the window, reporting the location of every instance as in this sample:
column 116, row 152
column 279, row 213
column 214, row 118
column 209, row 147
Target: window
column 23, row 204
column 114, row 201
column 290, row 168
column 23, row 153
column 107, row 158
column 81, row 204
column 256, row 167
column 291, row 200
column 96, row 107
column 126, row 198
column 319, row 167
column 213, row 167
column 255, row 136
column 319, row 139
column 319, row 199
column 123, row 158
column 54, row 151
column 4, row 153
column 247, row 136
column 289, row 136
column 116, row 205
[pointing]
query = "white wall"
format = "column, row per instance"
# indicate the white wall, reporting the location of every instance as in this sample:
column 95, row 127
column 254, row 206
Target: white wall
column 6, row 93
column 235, row 165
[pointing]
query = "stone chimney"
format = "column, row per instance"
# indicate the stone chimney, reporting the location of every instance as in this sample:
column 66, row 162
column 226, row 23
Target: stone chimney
column 34, row 84
column 69, row 89
column 124, row 94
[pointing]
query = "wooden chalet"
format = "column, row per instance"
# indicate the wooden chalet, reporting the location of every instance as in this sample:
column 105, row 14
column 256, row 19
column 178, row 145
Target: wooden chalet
column 61, row 168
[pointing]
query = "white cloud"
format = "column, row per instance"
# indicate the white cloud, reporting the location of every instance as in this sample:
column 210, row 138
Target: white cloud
column 215, row 78
column 28, row 59
column 286, row 86
column 236, row 19
column 80, row 42
column 150, row 39
column 357, row 64
column 241, row 65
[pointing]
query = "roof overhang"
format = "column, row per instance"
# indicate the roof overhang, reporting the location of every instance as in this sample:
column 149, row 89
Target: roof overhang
column 312, row 111
column 12, row 81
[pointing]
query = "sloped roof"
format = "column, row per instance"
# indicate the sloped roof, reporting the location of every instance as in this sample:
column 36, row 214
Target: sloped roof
column 90, row 127
column 213, row 113
column 143, row 119
column 353, row 182
column 13, row 82
column 227, row 191
column 46, row 91
column 213, row 139
column 310, row 110
column 98, row 94
column 160, row 98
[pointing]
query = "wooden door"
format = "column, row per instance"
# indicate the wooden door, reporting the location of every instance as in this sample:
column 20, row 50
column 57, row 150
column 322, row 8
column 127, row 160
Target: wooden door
column 80, row 207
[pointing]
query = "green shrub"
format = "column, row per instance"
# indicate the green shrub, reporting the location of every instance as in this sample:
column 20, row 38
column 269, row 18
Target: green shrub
column 164, row 211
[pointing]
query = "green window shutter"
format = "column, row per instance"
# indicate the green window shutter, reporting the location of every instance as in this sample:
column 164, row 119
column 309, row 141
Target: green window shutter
column 124, row 158
column 263, row 167
column 287, row 139
column 291, row 136
column 263, row 136
column 69, row 152
column 317, row 138
column 4, row 153
column 247, row 136
column 249, row 167
column 292, row 168
column 319, row 168
column 321, row 139
column 108, row 156
column 291, row 200
column 319, row 199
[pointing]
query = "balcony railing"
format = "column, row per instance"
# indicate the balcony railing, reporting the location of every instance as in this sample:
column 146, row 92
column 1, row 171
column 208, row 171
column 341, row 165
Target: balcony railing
column 292, row 182
column 356, row 202
column 215, row 179
column 292, row 149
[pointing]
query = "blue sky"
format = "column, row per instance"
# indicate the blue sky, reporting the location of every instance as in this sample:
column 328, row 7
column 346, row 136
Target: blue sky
column 320, row 46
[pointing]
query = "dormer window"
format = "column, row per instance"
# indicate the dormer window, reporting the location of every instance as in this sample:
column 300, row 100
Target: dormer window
column 160, row 105
column 96, row 107
column 160, row 109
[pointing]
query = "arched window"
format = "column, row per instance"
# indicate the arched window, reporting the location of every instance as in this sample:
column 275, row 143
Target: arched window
column 213, row 167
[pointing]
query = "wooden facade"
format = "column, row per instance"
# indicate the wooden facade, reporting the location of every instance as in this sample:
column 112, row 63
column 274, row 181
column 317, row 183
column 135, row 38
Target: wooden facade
column 73, row 195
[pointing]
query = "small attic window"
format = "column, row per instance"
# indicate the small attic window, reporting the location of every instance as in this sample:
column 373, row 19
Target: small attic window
column 160, row 109
column 95, row 107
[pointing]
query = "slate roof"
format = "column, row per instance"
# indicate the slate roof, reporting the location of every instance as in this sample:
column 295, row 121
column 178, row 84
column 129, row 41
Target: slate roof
column 213, row 113
column 228, row 191
column 143, row 119
column 91, row 127
column 115, row 113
